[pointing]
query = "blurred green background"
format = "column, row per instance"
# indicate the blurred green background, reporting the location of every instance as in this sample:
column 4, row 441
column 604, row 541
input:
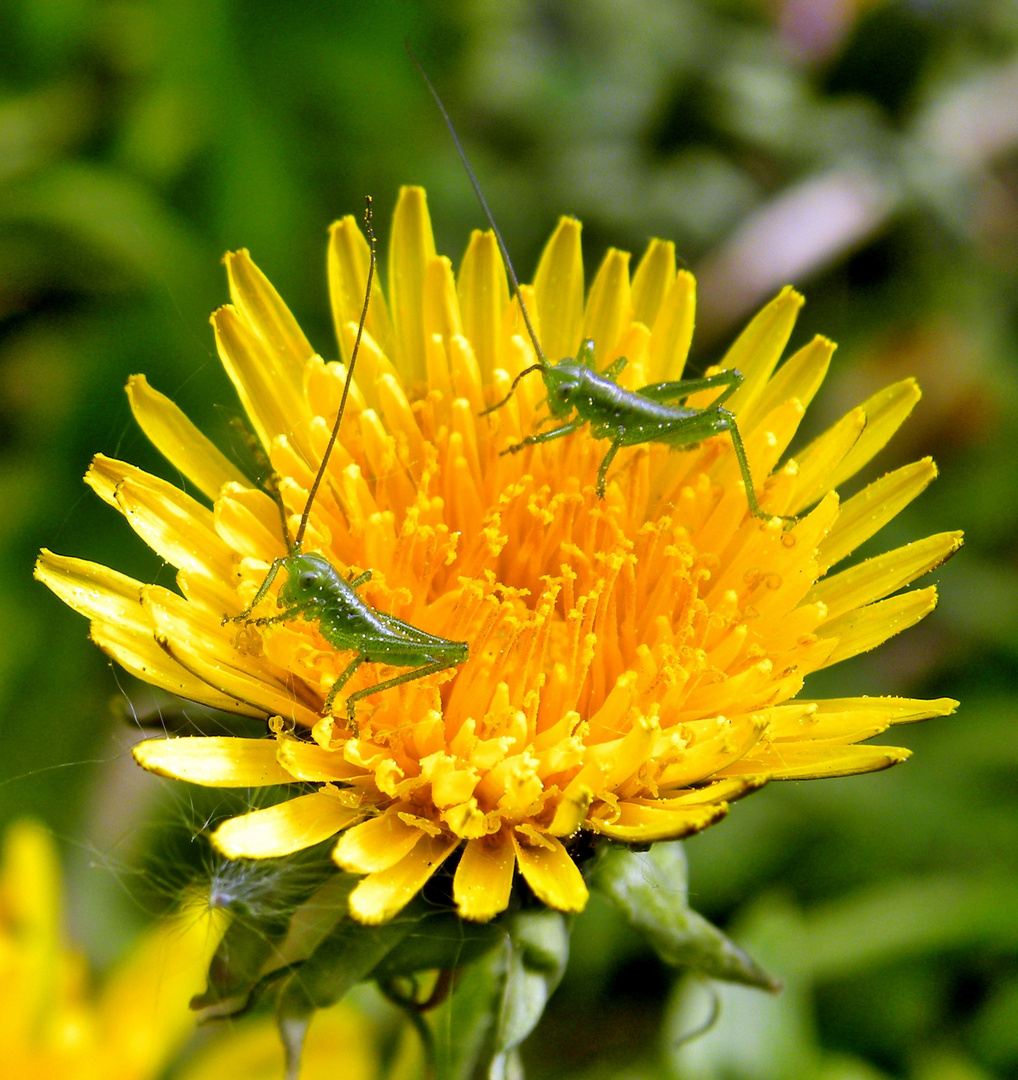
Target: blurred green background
column 865, row 151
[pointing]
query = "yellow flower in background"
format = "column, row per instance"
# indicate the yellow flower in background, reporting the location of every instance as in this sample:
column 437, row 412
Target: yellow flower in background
column 54, row 1024
column 338, row 1045
column 634, row 661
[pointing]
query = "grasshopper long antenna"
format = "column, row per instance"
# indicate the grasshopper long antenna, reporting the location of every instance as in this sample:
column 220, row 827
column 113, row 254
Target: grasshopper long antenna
column 487, row 213
column 346, row 386
column 498, row 404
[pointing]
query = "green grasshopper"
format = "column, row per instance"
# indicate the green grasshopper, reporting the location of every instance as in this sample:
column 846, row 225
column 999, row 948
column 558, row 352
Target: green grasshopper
column 629, row 417
column 578, row 395
column 316, row 591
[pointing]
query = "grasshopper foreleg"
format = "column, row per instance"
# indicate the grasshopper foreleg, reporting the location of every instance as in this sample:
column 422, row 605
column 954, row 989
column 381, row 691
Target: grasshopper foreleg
column 245, row 615
column 283, row 616
column 545, row 436
column 615, row 369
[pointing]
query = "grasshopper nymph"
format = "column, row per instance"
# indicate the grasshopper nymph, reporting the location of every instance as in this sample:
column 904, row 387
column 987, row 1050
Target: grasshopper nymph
column 316, row 591
column 578, row 395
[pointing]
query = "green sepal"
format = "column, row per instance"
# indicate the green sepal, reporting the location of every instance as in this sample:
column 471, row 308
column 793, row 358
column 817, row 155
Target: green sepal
column 265, row 908
column 650, row 889
column 316, row 918
column 236, row 965
column 444, row 942
column 347, row 955
column 499, row 999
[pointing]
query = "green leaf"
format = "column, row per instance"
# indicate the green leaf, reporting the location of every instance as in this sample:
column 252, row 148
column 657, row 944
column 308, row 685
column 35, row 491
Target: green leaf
column 650, row 889
column 749, row 1036
column 499, row 999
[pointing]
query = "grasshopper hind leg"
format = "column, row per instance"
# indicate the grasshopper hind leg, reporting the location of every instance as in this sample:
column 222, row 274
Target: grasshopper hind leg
column 728, row 420
column 408, row 676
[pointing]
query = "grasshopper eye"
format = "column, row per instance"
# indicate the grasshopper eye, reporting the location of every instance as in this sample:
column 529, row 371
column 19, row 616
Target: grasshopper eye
column 308, row 579
column 564, row 391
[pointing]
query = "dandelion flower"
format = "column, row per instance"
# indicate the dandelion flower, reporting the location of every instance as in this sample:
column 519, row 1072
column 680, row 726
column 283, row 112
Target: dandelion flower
column 634, row 660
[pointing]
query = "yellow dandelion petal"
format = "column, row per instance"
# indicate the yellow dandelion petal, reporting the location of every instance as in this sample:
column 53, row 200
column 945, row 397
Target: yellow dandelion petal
column 178, row 440
column 400, row 421
column 551, row 873
column 672, row 330
column 814, row 465
column 483, row 296
column 309, row 761
column 349, row 256
column 850, row 719
column 442, row 316
column 571, row 811
column 885, row 412
column 147, row 660
column 378, row 897
column 411, row 251
column 178, row 527
column 633, row 662
column 249, row 522
column 884, row 574
column 373, row 364
column 798, row 378
column 641, row 824
column 558, row 290
column 714, row 745
column 609, row 307
column 93, row 590
column 195, row 638
column 484, row 877
column 377, row 844
column 816, row 760
column 872, row 508
column 285, row 828
column 890, row 710
column 718, row 792
column 651, row 282
column 758, row 348
column 213, row 761
column 634, row 345
column 263, row 309
column 123, row 629
column 272, row 402
column 866, row 628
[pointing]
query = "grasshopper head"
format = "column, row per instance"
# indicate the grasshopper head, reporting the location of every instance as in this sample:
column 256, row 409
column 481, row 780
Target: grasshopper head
column 309, row 578
column 563, row 381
